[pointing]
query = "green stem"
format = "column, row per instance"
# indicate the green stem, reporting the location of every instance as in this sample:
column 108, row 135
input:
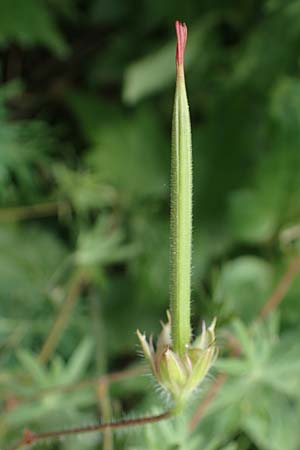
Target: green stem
column 181, row 208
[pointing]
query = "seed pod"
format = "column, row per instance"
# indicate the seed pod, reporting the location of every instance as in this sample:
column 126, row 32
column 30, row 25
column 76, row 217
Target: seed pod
column 178, row 365
column 181, row 204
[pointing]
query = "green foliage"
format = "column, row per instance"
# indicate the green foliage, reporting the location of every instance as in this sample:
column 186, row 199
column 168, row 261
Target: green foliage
column 47, row 407
column 25, row 148
column 85, row 122
column 30, row 23
column 173, row 434
column 22, row 277
column 243, row 286
column 142, row 155
column 102, row 245
column 264, row 385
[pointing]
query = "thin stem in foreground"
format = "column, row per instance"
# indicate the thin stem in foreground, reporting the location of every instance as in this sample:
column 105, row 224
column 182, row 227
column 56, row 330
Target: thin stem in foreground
column 30, row 438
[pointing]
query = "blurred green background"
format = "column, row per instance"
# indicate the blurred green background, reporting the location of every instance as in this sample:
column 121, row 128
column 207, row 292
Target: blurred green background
column 85, row 115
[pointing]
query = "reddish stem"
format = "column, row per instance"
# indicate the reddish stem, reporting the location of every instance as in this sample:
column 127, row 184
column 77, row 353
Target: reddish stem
column 281, row 289
column 30, row 438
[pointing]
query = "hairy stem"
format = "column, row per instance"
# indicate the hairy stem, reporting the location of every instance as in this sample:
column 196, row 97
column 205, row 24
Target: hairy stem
column 181, row 205
column 30, row 438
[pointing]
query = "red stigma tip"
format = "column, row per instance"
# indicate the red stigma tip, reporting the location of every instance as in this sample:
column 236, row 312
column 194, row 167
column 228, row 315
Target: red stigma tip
column 181, row 31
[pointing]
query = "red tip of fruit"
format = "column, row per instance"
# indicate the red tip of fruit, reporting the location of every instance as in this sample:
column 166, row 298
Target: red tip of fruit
column 181, row 31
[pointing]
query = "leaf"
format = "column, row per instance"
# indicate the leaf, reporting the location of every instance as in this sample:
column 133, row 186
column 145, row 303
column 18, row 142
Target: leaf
column 91, row 111
column 31, row 365
column 231, row 446
column 284, row 107
column 243, row 286
column 24, row 269
column 130, row 155
column 267, row 363
column 251, row 219
column 30, row 23
column 84, row 189
column 173, row 433
column 103, row 244
column 79, row 360
column 25, row 153
column 273, row 424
